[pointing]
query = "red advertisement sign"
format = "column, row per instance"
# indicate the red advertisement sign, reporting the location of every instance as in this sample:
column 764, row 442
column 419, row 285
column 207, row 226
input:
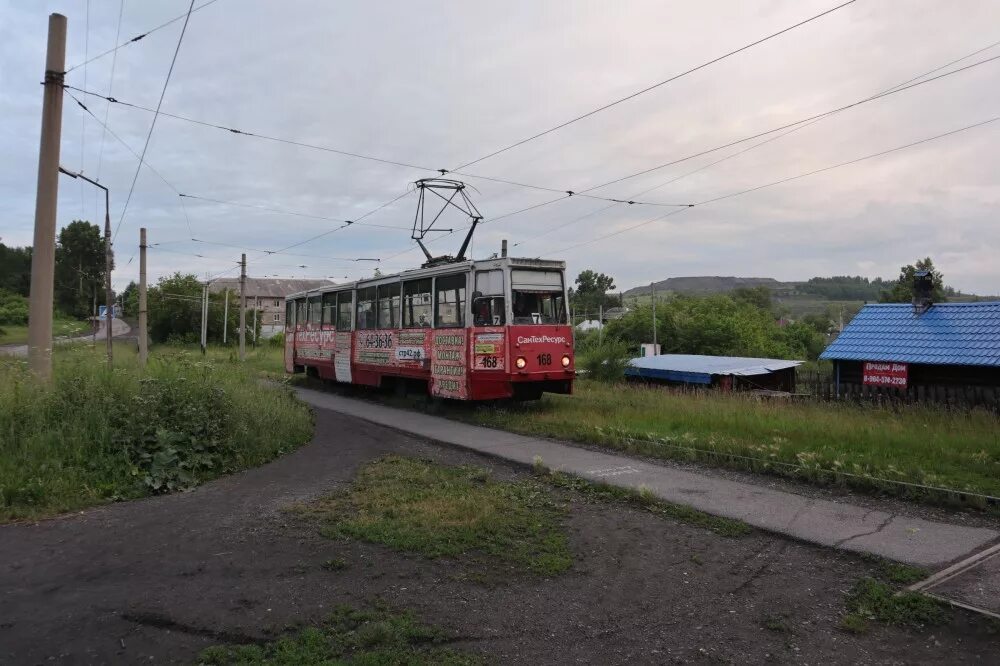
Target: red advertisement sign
column 891, row 375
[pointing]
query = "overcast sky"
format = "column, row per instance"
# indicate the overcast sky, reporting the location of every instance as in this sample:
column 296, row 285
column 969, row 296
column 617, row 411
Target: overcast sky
column 441, row 84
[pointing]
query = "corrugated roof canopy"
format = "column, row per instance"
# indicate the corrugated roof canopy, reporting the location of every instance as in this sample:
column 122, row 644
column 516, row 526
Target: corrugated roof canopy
column 946, row 334
column 697, row 369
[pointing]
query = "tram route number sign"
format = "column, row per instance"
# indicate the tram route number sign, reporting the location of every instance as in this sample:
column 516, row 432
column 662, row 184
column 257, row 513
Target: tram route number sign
column 889, row 375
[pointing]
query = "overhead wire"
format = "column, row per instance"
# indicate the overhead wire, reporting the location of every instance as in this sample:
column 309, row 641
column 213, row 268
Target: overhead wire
column 408, row 165
column 783, row 180
column 143, row 35
column 792, row 124
column 156, row 114
column 111, row 80
column 653, row 86
column 752, row 147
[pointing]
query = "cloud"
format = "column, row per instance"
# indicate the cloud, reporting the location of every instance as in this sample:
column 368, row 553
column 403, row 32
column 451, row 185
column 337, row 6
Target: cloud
column 439, row 86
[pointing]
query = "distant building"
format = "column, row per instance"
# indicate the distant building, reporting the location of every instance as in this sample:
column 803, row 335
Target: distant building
column 916, row 347
column 589, row 325
column 614, row 313
column 725, row 372
column 267, row 296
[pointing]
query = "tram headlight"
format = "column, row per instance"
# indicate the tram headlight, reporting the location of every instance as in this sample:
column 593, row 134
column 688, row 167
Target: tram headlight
column 520, row 363
column 565, row 361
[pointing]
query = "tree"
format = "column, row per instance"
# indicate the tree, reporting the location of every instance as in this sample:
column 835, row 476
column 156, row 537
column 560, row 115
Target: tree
column 130, row 300
column 591, row 292
column 79, row 273
column 174, row 315
column 15, row 269
column 902, row 290
column 759, row 297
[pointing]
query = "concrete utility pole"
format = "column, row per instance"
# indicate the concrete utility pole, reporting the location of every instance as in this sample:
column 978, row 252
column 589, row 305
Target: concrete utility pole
column 43, row 253
column 143, row 323
column 243, row 307
column 256, row 308
column 225, row 317
column 108, row 259
column 204, row 318
column 652, row 287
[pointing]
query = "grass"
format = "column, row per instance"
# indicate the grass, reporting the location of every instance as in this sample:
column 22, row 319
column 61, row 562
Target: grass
column 97, row 435
column 417, row 506
column 864, row 447
column 349, row 636
column 602, row 492
column 872, row 600
column 18, row 335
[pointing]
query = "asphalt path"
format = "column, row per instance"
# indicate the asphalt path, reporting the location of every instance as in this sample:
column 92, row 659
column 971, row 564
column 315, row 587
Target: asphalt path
column 118, row 329
column 897, row 536
column 158, row 580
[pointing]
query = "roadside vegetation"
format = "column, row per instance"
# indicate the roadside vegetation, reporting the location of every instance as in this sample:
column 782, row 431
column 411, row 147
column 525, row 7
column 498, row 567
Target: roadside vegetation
column 864, row 447
column 421, row 507
column 349, row 636
column 879, row 598
column 14, row 320
column 97, row 435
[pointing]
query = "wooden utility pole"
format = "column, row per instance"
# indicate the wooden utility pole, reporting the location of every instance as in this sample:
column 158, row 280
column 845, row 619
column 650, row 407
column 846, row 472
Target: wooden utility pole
column 225, row 317
column 243, row 307
column 143, row 323
column 43, row 253
column 204, row 318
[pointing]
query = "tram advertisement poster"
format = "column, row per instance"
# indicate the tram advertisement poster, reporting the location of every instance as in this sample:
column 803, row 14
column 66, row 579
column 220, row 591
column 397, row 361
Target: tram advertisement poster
column 391, row 348
column 448, row 364
column 342, row 356
column 314, row 345
column 488, row 351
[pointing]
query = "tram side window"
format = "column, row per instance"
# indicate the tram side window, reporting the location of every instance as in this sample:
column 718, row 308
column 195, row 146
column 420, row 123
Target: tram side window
column 289, row 315
column 450, row 301
column 388, row 305
column 366, row 309
column 329, row 308
column 345, row 307
column 417, row 304
column 315, row 309
column 301, row 313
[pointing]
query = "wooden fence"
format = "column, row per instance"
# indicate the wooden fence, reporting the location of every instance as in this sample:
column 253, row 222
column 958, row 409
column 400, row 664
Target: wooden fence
column 821, row 386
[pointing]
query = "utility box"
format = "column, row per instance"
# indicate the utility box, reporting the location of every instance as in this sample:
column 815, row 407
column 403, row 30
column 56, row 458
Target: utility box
column 649, row 349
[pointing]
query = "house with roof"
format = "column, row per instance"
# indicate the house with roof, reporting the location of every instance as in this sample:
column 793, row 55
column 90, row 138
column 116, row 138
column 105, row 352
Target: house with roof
column 727, row 373
column 266, row 296
column 915, row 347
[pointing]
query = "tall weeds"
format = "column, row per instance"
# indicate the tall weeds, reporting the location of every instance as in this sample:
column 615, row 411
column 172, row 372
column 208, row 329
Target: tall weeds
column 98, row 435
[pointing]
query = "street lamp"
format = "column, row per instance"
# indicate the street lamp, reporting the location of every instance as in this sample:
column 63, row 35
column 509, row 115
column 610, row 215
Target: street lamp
column 108, row 296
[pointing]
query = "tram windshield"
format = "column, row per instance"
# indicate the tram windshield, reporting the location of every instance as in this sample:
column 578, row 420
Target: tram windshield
column 537, row 297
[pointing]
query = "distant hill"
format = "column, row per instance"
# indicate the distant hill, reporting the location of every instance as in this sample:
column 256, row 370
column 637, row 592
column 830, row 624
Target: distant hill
column 709, row 284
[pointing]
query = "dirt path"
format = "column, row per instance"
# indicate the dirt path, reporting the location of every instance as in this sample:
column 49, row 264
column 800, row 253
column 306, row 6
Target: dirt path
column 164, row 578
column 118, row 329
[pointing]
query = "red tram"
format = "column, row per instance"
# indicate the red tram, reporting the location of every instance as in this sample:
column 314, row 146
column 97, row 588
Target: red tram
column 468, row 330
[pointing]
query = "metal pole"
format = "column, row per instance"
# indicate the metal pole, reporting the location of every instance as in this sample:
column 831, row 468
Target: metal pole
column 143, row 322
column 108, row 294
column 600, row 324
column 204, row 317
column 243, row 307
column 652, row 286
column 225, row 316
column 256, row 306
column 43, row 254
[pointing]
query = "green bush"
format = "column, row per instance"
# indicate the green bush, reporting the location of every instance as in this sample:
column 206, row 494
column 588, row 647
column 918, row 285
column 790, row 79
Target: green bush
column 13, row 309
column 96, row 434
column 277, row 341
column 606, row 361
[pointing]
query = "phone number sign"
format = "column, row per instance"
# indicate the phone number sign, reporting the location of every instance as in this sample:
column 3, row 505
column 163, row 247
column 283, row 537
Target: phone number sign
column 892, row 375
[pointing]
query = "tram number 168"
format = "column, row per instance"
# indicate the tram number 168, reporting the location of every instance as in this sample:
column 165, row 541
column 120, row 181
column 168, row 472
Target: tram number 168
column 545, row 359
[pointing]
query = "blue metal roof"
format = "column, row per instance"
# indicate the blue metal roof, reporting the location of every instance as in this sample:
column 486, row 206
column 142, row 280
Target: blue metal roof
column 698, row 369
column 946, row 334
